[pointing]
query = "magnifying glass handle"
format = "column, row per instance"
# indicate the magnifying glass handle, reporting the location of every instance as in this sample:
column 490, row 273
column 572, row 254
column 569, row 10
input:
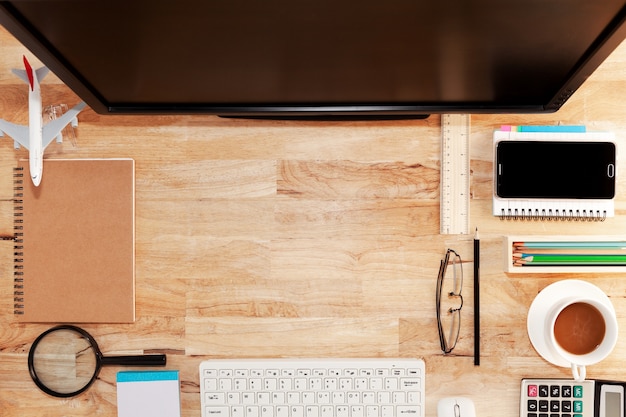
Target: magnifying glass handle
column 135, row 360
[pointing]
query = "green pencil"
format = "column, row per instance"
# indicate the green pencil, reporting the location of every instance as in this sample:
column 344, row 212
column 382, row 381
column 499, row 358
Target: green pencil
column 541, row 258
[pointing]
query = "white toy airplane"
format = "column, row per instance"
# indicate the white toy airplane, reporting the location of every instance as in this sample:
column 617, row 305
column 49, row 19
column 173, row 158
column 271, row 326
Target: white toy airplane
column 36, row 137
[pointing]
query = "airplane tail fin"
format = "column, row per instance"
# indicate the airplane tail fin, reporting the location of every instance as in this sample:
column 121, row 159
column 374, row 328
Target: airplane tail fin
column 23, row 74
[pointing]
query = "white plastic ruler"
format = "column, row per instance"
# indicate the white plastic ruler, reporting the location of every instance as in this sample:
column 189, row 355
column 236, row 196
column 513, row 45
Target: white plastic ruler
column 455, row 174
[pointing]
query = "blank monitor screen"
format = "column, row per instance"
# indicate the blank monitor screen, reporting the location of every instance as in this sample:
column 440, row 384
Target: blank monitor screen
column 319, row 56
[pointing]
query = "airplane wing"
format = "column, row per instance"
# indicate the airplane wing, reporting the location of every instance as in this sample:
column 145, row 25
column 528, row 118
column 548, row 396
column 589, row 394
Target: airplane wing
column 54, row 127
column 18, row 133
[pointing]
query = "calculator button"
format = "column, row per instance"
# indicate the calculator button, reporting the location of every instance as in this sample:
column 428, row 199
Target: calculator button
column 555, row 406
column 543, row 391
column 532, row 405
column 566, row 391
column 532, row 391
column 544, row 406
column 555, row 391
column 578, row 391
column 566, row 407
column 578, row 406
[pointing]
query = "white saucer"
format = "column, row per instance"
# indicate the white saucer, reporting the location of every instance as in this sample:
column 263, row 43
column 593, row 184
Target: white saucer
column 541, row 306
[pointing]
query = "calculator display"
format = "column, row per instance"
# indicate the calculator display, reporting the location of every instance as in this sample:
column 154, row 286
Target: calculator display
column 613, row 408
column 611, row 401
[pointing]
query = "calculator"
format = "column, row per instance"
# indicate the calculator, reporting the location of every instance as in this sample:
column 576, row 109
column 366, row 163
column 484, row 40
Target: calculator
column 569, row 398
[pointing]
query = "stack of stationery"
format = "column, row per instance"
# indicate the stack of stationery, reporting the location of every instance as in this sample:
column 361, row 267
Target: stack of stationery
column 579, row 253
column 585, row 206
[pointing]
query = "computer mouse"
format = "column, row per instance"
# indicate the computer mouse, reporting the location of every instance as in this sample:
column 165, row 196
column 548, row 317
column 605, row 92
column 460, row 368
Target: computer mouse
column 456, row 407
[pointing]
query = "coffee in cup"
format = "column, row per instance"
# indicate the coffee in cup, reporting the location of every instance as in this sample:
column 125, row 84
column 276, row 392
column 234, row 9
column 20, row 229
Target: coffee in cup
column 579, row 328
column 573, row 323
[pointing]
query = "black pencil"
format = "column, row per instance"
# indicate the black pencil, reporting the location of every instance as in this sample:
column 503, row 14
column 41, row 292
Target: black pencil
column 476, row 299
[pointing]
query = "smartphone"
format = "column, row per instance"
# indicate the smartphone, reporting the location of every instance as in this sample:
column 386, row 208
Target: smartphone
column 555, row 169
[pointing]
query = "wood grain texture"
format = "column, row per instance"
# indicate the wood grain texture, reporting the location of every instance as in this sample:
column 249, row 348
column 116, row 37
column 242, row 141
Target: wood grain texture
column 306, row 239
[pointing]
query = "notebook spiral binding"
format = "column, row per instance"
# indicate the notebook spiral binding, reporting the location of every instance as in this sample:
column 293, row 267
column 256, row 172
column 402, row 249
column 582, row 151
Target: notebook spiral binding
column 18, row 248
column 554, row 215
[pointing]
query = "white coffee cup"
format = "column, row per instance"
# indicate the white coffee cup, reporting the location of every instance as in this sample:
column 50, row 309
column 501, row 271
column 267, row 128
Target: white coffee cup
column 572, row 323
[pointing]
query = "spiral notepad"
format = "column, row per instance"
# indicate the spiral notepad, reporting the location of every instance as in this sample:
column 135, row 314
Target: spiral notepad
column 553, row 210
column 587, row 208
column 74, row 242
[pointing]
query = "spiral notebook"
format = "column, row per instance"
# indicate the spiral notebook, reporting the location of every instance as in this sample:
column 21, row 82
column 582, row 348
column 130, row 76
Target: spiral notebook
column 75, row 242
column 573, row 175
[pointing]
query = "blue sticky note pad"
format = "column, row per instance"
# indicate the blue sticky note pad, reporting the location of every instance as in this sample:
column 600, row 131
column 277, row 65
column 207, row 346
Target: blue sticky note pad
column 553, row 129
column 148, row 393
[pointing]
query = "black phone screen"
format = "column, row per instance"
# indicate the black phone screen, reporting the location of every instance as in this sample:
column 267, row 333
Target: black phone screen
column 555, row 169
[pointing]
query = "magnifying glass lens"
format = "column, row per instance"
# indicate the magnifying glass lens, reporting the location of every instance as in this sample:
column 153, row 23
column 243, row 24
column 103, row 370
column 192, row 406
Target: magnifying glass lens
column 64, row 361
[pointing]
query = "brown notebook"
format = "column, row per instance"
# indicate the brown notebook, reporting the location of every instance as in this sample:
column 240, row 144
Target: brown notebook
column 75, row 242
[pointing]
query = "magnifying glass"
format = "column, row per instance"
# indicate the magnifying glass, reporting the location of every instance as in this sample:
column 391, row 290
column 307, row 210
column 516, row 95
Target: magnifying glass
column 65, row 360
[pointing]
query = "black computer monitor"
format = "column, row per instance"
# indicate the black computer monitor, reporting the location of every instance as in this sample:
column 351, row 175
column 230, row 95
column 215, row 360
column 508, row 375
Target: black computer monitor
column 319, row 57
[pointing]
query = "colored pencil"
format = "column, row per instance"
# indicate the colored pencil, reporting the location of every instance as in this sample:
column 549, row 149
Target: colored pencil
column 576, row 253
column 585, row 244
column 571, row 259
column 575, row 258
column 571, row 251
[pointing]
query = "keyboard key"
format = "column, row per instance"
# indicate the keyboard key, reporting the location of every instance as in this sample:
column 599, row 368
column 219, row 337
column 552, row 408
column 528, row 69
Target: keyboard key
column 312, row 411
column 372, row 411
column 408, row 410
column 214, row 398
column 410, row 383
column 216, row 411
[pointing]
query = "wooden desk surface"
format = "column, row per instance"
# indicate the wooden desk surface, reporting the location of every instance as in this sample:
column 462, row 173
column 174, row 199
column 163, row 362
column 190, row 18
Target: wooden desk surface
column 305, row 239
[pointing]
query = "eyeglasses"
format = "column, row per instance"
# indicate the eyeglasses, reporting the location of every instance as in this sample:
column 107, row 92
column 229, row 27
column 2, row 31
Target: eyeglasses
column 449, row 301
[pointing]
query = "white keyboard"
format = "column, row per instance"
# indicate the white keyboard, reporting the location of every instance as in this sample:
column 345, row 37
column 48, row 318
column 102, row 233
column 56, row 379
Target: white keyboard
column 312, row 388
